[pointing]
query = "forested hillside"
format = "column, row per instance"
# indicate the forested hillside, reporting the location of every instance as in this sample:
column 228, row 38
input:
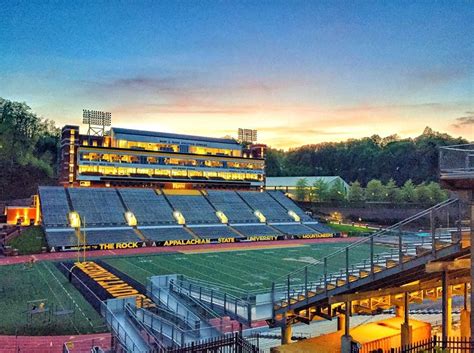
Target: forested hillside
column 28, row 150
column 29, row 155
column 366, row 159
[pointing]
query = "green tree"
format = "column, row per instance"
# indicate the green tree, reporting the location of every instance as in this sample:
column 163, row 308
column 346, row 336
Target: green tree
column 392, row 192
column 438, row 195
column 408, row 192
column 337, row 192
column 301, row 189
column 356, row 192
column 320, row 190
column 28, row 150
column 375, row 190
column 423, row 194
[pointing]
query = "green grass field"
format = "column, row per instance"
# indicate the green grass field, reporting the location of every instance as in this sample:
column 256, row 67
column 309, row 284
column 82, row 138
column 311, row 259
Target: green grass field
column 43, row 282
column 240, row 271
column 31, row 240
column 237, row 272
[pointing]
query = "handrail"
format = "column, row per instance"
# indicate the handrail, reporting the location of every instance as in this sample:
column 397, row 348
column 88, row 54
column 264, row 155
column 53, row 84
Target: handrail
column 376, row 234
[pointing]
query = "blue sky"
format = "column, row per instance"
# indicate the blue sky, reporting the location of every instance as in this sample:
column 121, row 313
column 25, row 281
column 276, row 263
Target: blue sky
column 298, row 71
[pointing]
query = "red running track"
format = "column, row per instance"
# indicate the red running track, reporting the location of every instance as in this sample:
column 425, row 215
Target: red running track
column 171, row 249
column 53, row 344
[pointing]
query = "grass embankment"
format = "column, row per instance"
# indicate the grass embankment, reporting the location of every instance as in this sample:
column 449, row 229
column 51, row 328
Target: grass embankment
column 351, row 230
column 30, row 241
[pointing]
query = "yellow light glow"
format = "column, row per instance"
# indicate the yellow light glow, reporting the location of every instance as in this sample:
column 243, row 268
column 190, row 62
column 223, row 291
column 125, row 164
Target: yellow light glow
column 222, row 217
column 293, row 215
column 260, row 216
column 74, row 219
column 130, row 218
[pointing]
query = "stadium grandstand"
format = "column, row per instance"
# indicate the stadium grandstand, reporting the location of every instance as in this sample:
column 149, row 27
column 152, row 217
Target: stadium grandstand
column 111, row 216
column 133, row 188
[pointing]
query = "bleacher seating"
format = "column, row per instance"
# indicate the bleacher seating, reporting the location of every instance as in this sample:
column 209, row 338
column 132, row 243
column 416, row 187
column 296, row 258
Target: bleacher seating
column 166, row 233
column 320, row 227
column 111, row 236
column 289, row 205
column 194, row 208
column 93, row 237
column 232, row 205
column 54, row 206
column 295, row 229
column 103, row 210
column 61, row 238
column 98, row 206
column 256, row 230
column 215, row 232
column 148, row 207
column 267, row 205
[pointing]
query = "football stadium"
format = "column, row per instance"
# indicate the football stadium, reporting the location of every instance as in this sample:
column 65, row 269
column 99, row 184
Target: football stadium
column 160, row 242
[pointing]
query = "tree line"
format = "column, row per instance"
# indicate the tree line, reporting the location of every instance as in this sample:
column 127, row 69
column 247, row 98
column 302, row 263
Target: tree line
column 365, row 159
column 376, row 191
column 28, row 151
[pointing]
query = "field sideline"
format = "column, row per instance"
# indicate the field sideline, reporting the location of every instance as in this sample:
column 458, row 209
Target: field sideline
column 235, row 269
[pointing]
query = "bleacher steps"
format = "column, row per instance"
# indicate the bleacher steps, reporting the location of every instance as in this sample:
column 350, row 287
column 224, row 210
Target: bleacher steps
column 190, row 231
column 139, row 234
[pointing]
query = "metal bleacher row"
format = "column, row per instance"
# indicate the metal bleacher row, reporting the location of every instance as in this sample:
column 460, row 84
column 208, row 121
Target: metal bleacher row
column 102, row 211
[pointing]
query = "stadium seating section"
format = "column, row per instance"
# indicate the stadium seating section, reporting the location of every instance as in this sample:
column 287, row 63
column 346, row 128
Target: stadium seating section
column 256, row 230
column 263, row 202
column 148, row 207
column 320, row 228
column 98, row 206
column 103, row 211
column 289, row 205
column 61, row 238
column 195, row 208
column 54, row 206
column 215, row 232
column 232, row 205
column 294, row 229
column 166, row 233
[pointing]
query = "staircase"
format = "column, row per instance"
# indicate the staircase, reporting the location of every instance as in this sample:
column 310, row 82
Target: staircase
column 398, row 255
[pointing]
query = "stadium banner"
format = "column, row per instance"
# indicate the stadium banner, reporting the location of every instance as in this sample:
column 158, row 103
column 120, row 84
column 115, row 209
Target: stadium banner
column 316, row 236
column 194, row 241
column 102, row 246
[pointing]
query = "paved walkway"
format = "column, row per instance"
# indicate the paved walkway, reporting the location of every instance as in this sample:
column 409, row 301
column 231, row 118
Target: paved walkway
column 10, row 260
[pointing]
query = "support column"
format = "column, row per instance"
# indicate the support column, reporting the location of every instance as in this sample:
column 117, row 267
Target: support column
column 341, row 322
column 465, row 315
column 471, row 213
column 446, row 307
column 346, row 339
column 286, row 333
column 406, row 333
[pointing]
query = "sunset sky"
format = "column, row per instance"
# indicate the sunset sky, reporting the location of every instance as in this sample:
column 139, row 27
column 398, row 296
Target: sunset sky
column 298, row 71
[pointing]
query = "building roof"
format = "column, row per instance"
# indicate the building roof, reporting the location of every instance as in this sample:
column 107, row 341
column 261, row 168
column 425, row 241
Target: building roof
column 117, row 130
column 291, row 181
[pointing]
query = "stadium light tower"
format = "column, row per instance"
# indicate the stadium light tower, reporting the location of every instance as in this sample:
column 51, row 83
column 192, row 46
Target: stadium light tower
column 97, row 121
column 247, row 135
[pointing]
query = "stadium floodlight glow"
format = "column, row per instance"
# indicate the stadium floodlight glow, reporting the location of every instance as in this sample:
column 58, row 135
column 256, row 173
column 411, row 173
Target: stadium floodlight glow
column 293, row 215
column 131, row 219
column 74, row 219
column 223, row 218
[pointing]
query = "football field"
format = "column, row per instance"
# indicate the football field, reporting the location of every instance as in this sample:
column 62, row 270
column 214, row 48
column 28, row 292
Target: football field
column 240, row 271
column 27, row 289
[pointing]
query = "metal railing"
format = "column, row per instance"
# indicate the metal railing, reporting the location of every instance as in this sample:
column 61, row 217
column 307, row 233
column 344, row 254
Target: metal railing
column 440, row 226
column 434, row 345
column 457, row 160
